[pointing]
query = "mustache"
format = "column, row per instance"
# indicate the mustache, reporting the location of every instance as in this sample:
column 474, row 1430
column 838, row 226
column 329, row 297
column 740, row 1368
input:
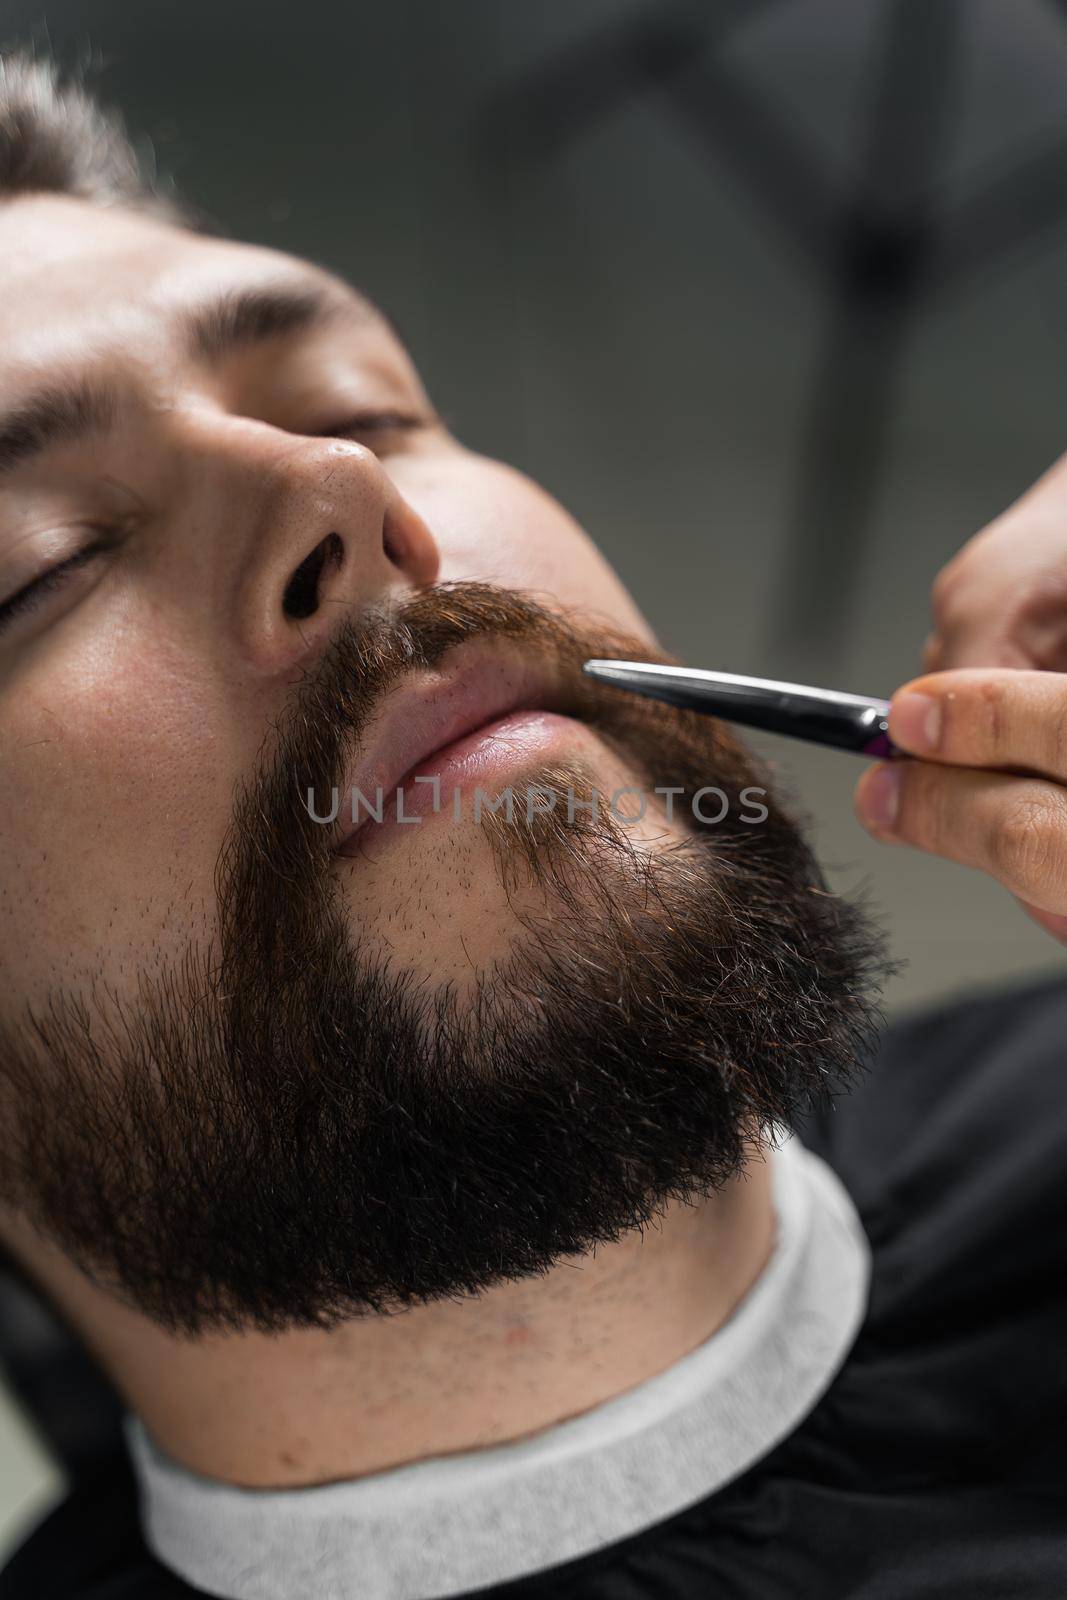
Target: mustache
column 370, row 656
column 272, row 871
column 274, row 866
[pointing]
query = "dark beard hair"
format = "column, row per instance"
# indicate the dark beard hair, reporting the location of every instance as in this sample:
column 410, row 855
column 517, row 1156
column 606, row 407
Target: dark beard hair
column 283, row 1132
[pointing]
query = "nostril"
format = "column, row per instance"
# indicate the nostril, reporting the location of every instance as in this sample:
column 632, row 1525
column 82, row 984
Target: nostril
column 301, row 597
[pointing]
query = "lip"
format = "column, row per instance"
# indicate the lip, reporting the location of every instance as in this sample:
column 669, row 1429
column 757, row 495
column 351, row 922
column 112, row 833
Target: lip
column 444, row 722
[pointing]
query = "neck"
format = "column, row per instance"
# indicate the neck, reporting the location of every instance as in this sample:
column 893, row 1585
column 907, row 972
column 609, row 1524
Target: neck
column 317, row 1406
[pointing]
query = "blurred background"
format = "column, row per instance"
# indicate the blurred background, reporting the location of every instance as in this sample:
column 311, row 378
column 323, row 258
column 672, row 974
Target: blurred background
column 769, row 292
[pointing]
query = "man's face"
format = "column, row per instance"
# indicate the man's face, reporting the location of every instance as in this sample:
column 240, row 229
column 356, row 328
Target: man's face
column 258, row 1069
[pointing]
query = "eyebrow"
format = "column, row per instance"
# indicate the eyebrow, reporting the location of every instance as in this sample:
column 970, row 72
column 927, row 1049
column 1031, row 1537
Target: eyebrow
column 55, row 415
column 62, row 413
column 244, row 317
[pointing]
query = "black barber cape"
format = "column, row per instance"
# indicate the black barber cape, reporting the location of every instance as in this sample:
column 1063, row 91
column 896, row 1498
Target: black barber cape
column 936, row 1462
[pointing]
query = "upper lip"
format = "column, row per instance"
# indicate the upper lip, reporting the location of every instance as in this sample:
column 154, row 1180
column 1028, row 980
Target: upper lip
column 420, row 718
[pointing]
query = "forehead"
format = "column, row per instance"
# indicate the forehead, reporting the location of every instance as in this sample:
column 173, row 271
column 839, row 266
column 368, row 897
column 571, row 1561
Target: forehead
column 78, row 281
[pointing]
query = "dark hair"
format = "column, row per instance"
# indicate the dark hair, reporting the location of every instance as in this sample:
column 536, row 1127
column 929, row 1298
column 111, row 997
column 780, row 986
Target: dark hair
column 55, row 138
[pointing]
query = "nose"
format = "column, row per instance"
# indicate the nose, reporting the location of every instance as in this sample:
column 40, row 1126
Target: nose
column 334, row 535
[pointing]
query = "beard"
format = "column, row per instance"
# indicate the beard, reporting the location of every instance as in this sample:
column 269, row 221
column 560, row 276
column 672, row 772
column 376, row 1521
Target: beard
column 282, row 1130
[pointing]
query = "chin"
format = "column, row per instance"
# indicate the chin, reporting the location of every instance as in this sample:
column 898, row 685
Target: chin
column 447, row 896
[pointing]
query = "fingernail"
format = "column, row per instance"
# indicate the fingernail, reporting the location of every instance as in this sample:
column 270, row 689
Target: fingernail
column 879, row 798
column 915, row 721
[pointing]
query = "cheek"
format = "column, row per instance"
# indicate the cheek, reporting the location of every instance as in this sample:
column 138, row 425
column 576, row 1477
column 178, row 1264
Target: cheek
column 494, row 524
column 115, row 792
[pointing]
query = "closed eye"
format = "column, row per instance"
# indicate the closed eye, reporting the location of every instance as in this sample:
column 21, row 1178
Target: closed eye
column 34, row 593
column 376, row 424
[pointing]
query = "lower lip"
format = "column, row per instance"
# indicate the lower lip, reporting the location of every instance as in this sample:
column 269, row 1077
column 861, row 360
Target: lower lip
column 475, row 760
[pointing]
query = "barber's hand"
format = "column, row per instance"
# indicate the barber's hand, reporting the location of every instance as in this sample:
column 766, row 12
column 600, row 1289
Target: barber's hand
column 990, row 789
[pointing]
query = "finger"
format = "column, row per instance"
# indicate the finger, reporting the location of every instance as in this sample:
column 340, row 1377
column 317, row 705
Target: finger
column 975, row 717
column 1013, row 828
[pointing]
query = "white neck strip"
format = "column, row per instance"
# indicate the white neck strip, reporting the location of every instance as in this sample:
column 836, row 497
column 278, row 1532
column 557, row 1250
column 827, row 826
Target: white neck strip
column 454, row 1523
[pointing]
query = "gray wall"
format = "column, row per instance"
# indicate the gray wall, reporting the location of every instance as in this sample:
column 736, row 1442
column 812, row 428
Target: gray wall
column 602, row 280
